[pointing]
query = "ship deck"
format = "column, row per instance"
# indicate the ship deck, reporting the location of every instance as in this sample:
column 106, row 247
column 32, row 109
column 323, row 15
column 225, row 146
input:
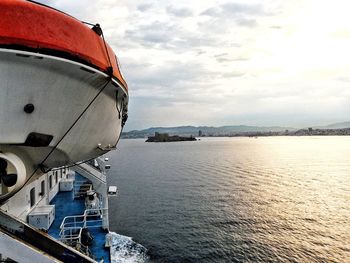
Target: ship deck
column 67, row 205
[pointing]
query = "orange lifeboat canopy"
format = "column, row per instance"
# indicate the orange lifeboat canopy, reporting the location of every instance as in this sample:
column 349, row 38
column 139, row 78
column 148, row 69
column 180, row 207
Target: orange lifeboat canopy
column 31, row 26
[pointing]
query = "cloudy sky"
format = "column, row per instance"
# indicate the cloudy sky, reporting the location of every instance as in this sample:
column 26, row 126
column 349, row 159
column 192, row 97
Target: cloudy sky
column 221, row 62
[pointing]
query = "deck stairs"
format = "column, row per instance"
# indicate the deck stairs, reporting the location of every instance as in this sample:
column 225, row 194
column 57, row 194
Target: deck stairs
column 80, row 188
column 93, row 174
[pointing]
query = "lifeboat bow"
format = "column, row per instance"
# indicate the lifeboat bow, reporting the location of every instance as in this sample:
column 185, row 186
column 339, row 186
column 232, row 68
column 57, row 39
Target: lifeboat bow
column 63, row 98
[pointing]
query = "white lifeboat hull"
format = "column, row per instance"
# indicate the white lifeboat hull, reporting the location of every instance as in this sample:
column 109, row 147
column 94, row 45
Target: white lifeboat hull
column 77, row 106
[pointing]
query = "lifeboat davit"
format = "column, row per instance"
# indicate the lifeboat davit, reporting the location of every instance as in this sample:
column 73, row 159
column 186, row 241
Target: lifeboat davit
column 63, row 98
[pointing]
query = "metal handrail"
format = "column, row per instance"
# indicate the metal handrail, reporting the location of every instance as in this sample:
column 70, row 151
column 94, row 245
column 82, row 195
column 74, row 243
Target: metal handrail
column 82, row 221
column 73, row 239
column 72, row 221
column 72, row 226
column 73, row 236
column 99, row 174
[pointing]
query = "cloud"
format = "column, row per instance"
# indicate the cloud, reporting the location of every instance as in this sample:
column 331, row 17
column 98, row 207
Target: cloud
column 233, row 75
column 234, row 9
column 169, row 36
column 226, row 57
column 223, row 59
column 144, row 7
column 257, row 62
column 170, row 76
column 179, row 12
column 153, row 33
column 248, row 22
column 343, row 79
column 242, row 14
column 276, row 27
column 238, row 8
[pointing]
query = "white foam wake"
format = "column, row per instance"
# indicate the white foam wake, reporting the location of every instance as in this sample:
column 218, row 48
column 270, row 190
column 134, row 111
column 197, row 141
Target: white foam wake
column 124, row 250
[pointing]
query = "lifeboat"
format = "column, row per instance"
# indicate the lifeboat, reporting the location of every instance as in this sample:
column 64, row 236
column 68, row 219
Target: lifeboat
column 63, row 98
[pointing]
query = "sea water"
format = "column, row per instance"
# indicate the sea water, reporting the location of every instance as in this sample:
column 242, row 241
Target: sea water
column 268, row 199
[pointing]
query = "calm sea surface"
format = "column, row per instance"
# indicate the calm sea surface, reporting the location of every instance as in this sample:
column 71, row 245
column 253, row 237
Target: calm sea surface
column 277, row 199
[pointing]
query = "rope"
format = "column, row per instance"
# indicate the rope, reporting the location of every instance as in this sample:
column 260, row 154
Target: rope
column 75, row 164
column 120, row 110
column 90, row 24
column 109, row 59
column 110, row 68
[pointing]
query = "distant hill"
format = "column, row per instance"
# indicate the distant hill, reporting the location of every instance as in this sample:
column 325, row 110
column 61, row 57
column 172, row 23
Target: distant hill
column 206, row 130
column 339, row 125
column 222, row 130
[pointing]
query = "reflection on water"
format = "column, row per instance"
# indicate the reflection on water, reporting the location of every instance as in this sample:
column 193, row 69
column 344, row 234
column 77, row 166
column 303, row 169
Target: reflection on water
column 235, row 199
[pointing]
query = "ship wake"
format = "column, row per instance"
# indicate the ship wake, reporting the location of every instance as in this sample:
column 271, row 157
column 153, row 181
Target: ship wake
column 124, row 250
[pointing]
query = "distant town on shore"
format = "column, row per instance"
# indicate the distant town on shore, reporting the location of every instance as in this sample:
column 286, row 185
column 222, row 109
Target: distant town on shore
column 240, row 130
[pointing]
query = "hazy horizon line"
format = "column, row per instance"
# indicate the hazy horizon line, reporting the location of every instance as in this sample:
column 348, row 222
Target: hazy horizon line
column 248, row 125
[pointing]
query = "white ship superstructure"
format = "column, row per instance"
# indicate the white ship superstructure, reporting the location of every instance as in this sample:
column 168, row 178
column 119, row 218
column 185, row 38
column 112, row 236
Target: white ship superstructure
column 60, row 216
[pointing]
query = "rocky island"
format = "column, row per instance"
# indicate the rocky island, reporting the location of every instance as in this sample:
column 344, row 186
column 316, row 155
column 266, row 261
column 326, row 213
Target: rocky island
column 164, row 137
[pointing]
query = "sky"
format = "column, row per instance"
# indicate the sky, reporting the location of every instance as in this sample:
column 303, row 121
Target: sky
column 221, row 62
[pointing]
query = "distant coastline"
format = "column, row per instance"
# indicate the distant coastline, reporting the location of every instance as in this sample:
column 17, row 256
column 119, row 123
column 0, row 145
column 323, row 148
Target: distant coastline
column 339, row 129
column 301, row 132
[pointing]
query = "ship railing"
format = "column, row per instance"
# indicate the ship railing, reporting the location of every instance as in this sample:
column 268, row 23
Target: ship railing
column 72, row 226
column 96, row 217
column 71, row 222
column 91, row 218
column 72, row 237
column 84, row 249
column 94, row 206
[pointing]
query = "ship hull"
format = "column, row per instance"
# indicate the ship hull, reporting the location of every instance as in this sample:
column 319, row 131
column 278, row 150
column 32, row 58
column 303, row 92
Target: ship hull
column 78, row 107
